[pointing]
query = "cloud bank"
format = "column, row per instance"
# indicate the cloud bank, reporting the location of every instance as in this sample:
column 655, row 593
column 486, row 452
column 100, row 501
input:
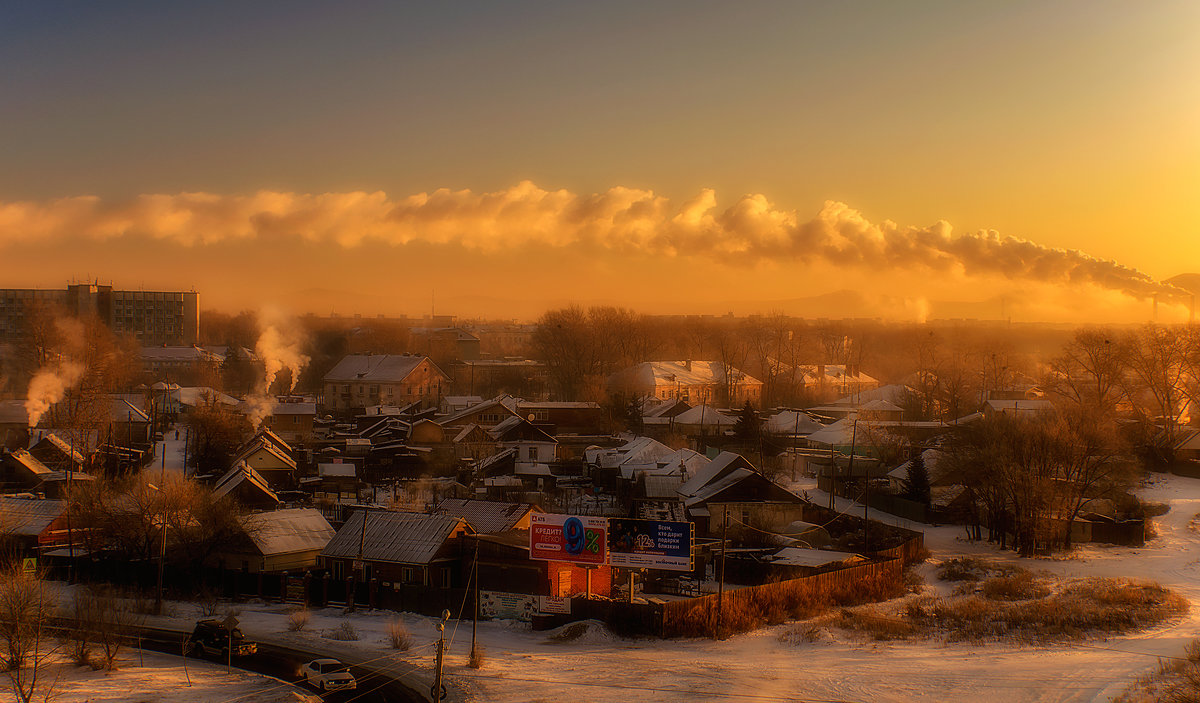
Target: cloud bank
column 748, row 231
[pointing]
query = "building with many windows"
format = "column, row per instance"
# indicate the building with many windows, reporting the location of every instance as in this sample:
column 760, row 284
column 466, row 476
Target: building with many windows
column 154, row 317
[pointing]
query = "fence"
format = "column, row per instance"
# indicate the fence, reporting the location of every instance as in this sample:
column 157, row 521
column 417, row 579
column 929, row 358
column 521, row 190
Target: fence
column 748, row 608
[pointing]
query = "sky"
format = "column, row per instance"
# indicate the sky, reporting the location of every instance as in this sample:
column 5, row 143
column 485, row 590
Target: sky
column 933, row 158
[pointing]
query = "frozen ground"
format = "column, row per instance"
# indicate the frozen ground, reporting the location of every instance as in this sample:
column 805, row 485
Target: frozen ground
column 524, row 666
column 157, row 678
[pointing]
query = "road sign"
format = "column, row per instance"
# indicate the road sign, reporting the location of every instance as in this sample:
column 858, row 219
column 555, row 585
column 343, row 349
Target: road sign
column 29, row 565
column 650, row 544
column 230, row 622
column 575, row 538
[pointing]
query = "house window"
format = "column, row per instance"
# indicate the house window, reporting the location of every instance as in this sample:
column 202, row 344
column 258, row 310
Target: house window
column 445, row 578
column 406, row 574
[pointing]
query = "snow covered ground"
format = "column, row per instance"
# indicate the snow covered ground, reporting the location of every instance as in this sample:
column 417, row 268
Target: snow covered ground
column 522, row 665
column 157, row 678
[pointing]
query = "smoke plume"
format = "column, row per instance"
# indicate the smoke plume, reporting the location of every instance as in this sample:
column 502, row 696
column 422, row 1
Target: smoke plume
column 747, row 231
column 48, row 386
column 279, row 347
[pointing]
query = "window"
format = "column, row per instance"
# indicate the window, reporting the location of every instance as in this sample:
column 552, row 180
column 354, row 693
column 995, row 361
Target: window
column 445, row 578
column 406, row 574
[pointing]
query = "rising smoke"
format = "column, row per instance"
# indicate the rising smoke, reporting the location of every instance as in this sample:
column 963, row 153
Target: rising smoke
column 279, row 347
column 49, row 385
column 621, row 219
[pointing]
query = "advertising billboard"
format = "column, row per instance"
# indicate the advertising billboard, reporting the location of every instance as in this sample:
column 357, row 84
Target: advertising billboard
column 575, row 538
column 650, row 544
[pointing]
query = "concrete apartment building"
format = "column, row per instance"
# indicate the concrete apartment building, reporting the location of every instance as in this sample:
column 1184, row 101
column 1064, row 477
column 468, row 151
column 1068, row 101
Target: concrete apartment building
column 154, row 317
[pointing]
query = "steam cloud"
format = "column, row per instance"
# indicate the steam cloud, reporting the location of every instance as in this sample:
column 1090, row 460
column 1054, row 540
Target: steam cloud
column 622, row 219
column 48, row 386
column 278, row 347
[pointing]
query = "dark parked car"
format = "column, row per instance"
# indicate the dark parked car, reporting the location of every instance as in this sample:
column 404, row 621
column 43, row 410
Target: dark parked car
column 213, row 637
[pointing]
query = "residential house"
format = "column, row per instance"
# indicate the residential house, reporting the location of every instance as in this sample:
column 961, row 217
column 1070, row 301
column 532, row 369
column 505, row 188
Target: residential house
column 695, row 382
column 247, row 487
column 57, row 454
column 533, row 444
column 730, row 492
column 487, row 414
column 362, row 380
column 270, row 457
column 400, row 548
column 278, row 540
column 583, row 417
column 292, row 418
column 28, row 525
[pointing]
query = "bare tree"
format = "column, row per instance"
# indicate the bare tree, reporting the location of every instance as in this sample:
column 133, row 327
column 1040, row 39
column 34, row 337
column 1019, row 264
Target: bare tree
column 1155, row 387
column 1090, row 371
column 26, row 605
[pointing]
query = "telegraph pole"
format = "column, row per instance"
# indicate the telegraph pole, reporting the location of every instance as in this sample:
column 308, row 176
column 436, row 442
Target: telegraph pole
column 721, row 581
column 475, row 620
column 438, row 690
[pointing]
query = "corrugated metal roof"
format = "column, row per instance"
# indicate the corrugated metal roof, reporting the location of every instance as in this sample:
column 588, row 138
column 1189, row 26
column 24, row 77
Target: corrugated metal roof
column 403, row 538
column 25, row 517
column 288, row 531
column 485, row 515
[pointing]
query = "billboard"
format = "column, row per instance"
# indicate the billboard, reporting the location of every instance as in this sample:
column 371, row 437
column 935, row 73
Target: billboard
column 650, row 544
column 575, row 538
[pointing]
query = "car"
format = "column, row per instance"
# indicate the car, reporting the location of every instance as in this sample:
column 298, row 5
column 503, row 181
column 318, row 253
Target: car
column 213, row 637
column 328, row 675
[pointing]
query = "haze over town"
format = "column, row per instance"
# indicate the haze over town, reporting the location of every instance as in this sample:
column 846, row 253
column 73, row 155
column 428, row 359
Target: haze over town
column 615, row 351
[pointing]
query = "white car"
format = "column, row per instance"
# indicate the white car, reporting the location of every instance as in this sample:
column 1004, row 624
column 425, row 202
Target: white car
column 328, row 675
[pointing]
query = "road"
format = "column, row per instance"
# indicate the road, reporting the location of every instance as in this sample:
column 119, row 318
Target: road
column 375, row 685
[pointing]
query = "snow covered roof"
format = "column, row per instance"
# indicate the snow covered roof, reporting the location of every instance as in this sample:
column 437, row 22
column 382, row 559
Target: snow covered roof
column 930, row 457
column 13, row 412
column 724, row 464
column 685, row 373
column 792, row 422
column 486, row 516
column 802, row 556
column 704, row 415
column 368, row 368
column 288, row 531
column 894, row 393
column 639, row 450
column 239, row 474
column 198, row 395
column 404, row 538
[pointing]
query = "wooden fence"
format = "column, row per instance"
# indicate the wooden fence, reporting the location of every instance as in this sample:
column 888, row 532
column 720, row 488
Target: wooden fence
column 748, row 608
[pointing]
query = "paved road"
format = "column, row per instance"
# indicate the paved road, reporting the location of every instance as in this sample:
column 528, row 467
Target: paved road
column 374, row 685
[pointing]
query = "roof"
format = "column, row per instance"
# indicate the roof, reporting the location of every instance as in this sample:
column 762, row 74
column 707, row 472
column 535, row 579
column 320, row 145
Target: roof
column 22, row 516
column 236, row 476
column 123, row 410
column 61, row 445
column 262, row 444
column 792, row 422
column 518, row 429
column 13, row 412
column 559, row 405
column 639, row 450
column 503, row 404
column 485, row 515
column 376, row 367
column 179, row 354
column 288, row 531
column 721, row 466
column 685, row 373
column 704, row 415
column 801, row 556
column 930, row 457
column 331, row 470
column 894, row 393
column 30, row 462
column 197, row 395
column 666, row 487
column 404, row 538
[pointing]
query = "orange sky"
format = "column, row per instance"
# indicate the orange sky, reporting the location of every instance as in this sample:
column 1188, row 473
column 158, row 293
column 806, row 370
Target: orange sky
column 681, row 157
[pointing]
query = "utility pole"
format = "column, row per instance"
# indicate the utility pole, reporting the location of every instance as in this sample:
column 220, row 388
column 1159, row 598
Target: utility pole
column 359, row 565
column 721, row 581
column 162, row 553
column 475, row 620
column 438, row 691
